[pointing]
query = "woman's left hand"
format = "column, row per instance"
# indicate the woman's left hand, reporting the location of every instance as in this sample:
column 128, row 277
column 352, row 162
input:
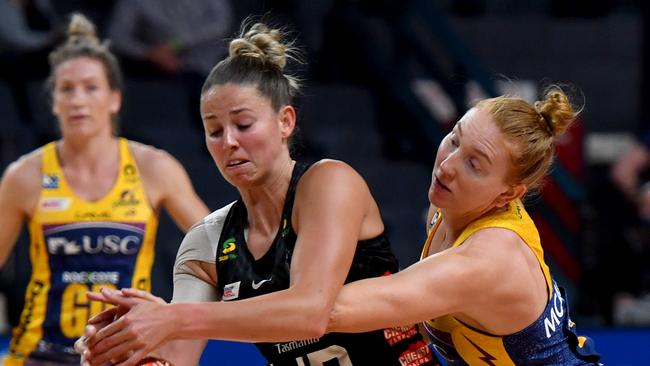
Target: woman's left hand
column 131, row 337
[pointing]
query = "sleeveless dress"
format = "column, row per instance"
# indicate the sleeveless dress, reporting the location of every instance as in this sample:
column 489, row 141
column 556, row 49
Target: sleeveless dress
column 549, row 340
column 78, row 246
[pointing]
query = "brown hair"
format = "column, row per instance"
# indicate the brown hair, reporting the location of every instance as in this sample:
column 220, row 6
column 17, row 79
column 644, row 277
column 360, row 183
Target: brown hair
column 258, row 58
column 82, row 41
column 531, row 129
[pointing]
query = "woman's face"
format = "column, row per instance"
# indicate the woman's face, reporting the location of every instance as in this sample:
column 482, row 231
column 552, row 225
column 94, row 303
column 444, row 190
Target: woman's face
column 83, row 101
column 247, row 139
column 471, row 167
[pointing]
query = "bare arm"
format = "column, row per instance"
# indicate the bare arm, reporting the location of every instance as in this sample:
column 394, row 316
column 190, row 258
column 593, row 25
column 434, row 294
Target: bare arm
column 195, row 280
column 427, row 289
column 492, row 281
column 168, row 185
column 331, row 204
column 19, row 193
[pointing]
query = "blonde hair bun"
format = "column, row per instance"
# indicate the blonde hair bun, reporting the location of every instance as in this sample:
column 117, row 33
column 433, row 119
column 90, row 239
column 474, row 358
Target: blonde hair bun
column 555, row 110
column 263, row 43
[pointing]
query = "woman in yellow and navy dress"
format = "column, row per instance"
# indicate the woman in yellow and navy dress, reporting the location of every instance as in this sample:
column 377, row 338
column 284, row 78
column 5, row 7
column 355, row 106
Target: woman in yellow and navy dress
column 482, row 286
column 91, row 201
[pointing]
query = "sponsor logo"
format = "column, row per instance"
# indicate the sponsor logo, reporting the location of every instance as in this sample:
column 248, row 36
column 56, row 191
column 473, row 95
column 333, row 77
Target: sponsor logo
column 285, row 228
column 519, row 215
column 129, row 172
column 258, row 284
column 231, row 291
column 294, row 345
column 93, row 238
column 127, row 198
column 417, row 354
column 50, row 181
column 108, row 244
column 90, row 277
column 92, row 215
column 55, row 204
column 28, row 313
column 227, row 248
column 398, row 334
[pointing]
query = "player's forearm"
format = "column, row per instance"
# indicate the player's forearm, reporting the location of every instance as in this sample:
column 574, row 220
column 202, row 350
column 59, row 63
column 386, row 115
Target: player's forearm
column 180, row 352
column 275, row 317
column 362, row 306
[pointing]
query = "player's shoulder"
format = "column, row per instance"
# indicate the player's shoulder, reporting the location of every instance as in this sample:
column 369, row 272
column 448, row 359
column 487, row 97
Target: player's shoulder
column 150, row 154
column 202, row 240
column 331, row 172
column 25, row 170
column 155, row 165
column 216, row 217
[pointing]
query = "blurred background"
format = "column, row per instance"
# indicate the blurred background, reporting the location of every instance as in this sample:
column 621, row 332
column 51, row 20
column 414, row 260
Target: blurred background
column 385, row 80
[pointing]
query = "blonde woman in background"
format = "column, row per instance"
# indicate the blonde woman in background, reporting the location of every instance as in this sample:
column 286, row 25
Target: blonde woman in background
column 91, row 201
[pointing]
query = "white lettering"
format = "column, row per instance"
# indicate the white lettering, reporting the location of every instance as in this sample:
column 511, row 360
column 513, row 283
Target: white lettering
column 53, row 244
column 110, row 244
column 548, row 325
column 124, row 244
column 88, row 245
column 90, row 277
column 293, row 345
column 557, row 312
column 557, row 304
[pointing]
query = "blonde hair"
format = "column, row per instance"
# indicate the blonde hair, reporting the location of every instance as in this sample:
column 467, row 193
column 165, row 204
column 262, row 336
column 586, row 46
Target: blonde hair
column 531, row 131
column 82, row 41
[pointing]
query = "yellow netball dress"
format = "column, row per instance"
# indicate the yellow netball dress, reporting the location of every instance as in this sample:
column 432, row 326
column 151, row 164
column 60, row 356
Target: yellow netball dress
column 79, row 246
column 549, row 340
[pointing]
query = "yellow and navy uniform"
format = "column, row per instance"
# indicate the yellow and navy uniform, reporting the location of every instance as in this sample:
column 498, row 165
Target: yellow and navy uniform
column 78, row 246
column 549, row 340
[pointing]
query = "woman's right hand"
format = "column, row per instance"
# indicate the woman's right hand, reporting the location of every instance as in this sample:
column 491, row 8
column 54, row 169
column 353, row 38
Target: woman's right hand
column 129, row 297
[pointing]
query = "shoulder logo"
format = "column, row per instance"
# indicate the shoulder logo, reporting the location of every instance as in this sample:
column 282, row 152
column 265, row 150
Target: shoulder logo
column 258, row 284
column 50, row 181
column 227, row 248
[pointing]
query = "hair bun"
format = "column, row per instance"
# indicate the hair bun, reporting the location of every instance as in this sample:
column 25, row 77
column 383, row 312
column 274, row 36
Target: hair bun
column 556, row 112
column 263, row 43
column 81, row 28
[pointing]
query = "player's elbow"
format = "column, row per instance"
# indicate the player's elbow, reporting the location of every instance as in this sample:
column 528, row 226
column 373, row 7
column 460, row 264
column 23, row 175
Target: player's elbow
column 317, row 324
column 317, row 317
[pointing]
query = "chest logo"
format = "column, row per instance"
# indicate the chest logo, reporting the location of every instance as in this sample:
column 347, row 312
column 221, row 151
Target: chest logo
column 55, row 204
column 231, row 291
column 285, row 228
column 127, row 198
column 258, row 284
column 226, row 250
